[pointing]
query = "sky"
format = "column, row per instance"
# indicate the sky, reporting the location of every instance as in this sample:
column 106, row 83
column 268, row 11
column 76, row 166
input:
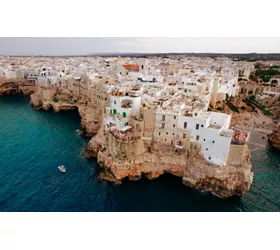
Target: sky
column 89, row 45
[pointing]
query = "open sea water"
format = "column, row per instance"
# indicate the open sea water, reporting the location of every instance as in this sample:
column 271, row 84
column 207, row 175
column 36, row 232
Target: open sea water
column 33, row 143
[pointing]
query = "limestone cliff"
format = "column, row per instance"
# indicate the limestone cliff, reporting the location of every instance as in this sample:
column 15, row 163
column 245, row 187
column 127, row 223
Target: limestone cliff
column 51, row 98
column 144, row 158
column 15, row 87
column 234, row 179
column 274, row 138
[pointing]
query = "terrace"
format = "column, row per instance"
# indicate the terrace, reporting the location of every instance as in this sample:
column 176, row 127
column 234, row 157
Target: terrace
column 126, row 104
column 124, row 134
column 240, row 137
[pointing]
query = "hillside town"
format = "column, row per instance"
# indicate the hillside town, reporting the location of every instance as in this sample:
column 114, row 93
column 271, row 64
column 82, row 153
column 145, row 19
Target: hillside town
column 189, row 116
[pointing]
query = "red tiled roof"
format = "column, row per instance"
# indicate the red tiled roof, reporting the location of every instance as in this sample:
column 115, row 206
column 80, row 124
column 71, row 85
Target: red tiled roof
column 131, row 67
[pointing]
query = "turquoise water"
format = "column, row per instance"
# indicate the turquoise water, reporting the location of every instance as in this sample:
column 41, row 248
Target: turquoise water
column 34, row 143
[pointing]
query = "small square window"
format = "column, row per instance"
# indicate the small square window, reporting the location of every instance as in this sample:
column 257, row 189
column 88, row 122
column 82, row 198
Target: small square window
column 213, row 141
column 174, row 117
column 158, row 133
column 209, row 158
column 203, row 139
column 172, row 133
column 201, row 126
column 173, row 125
column 206, row 149
column 167, row 133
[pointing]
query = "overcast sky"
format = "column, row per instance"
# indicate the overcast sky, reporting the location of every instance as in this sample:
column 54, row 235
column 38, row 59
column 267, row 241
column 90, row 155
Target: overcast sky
column 85, row 46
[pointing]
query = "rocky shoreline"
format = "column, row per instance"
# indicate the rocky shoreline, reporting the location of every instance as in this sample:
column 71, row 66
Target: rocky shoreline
column 274, row 138
column 43, row 99
column 155, row 159
column 143, row 158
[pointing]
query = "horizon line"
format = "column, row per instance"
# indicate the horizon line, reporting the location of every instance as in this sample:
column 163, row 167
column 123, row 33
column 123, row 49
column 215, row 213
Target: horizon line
column 144, row 53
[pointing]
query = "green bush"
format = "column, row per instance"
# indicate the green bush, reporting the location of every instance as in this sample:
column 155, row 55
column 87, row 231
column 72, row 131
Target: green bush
column 253, row 78
column 266, row 74
column 233, row 107
column 55, row 99
column 253, row 103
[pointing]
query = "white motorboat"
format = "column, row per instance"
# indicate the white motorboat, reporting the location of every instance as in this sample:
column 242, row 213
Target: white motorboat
column 62, row 168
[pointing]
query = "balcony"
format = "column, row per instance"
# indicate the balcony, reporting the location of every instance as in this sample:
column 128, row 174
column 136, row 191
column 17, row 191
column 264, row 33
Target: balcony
column 179, row 145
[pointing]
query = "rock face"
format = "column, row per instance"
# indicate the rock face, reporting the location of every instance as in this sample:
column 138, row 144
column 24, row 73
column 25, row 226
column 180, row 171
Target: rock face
column 274, row 138
column 91, row 119
column 51, row 98
column 144, row 158
column 16, row 87
column 9, row 88
column 234, row 179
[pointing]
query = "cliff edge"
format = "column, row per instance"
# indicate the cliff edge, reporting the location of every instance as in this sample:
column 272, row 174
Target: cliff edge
column 274, row 138
column 139, row 158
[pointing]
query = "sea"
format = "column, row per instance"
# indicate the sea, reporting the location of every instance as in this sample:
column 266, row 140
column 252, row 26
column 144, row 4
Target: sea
column 34, row 143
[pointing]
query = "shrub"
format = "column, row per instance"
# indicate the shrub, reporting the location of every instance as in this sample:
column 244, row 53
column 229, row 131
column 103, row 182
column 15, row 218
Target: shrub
column 55, row 99
column 233, row 107
column 253, row 103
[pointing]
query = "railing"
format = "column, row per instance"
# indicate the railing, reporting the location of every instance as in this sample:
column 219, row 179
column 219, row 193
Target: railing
column 124, row 137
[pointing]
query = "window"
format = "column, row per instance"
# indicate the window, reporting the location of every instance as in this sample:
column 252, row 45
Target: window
column 159, row 133
column 197, row 127
column 209, row 158
column 185, row 125
column 184, row 135
column 163, row 118
column 164, row 139
column 115, row 102
column 163, row 125
column 173, row 125
column 167, row 133
column 203, row 139
column 206, row 149
column 174, row 117
column 142, row 66
column 172, row 133
column 171, row 142
column 126, row 124
column 195, row 114
column 213, row 141
column 197, row 137
column 201, row 125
